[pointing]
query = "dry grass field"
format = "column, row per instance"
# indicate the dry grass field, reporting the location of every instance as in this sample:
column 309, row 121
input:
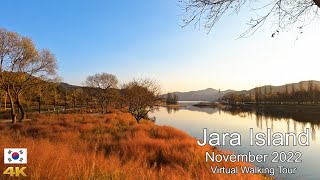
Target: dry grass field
column 111, row 146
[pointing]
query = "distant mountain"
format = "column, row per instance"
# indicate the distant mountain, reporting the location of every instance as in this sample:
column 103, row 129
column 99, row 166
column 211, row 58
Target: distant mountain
column 213, row 94
column 66, row 85
column 269, row 89
column 201, row 95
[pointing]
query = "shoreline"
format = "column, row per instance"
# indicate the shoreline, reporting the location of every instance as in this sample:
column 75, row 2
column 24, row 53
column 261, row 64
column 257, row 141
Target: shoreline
column 143, row 148
column 300, row 113
column 173, row 105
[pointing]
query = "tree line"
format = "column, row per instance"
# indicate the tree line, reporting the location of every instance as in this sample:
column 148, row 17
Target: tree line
column 172, row 98
column 28, row 79
column 309, row 94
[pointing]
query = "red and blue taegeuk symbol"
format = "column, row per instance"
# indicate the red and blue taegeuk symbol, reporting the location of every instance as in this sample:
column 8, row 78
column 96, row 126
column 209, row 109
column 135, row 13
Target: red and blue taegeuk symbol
column 15, row 155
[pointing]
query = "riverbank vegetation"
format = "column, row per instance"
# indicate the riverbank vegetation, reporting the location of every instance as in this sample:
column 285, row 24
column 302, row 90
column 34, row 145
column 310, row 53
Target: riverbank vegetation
column 304, row 92
column 109, row 146
column 172, row 99
column 28, row 79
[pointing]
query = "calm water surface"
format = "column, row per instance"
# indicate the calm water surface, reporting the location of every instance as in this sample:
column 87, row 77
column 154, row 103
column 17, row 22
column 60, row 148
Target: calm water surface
column 192, row 120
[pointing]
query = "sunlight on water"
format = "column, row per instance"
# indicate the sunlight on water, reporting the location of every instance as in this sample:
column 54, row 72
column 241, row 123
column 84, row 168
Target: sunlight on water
column 192, row 120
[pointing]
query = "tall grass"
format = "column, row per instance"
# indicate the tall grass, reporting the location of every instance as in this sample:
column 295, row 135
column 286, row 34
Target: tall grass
column 112, row 146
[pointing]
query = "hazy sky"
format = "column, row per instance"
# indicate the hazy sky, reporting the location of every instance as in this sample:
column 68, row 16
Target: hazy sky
column 142, row 38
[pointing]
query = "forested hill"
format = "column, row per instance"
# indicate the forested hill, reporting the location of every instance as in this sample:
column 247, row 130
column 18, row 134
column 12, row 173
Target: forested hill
column 289, row 88
column 211, row 94
column 66, row 85
column 301, row 92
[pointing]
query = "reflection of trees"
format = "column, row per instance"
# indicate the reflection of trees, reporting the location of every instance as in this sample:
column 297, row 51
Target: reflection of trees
column 208, row 110
column 171, row 110
column 292, row 119
column 313, row 132
column 303, row 114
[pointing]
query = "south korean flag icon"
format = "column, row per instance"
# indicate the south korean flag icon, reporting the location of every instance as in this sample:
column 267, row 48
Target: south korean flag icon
column 15, row 155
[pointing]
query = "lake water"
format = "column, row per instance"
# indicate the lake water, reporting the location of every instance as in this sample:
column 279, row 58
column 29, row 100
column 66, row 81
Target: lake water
column 193, row 120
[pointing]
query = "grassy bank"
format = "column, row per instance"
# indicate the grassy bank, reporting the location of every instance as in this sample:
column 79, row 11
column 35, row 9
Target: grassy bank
column 111, row 146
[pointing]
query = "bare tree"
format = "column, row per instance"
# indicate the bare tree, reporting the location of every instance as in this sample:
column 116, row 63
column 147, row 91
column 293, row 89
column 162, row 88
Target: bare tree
column 140, row 97
column 78, row 96
column 284, row 13
column 20, row 65
column 54, row 90
column 41, row 89
column 104, row 83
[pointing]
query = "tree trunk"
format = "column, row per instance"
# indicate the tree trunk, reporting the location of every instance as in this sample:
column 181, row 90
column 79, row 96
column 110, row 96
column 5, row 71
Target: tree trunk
column 13, row 112
column 107, row 107
column 39, row 104
column 5, row 102
column 54, row 105
column 317, row 2
column 55, row 100
column 102, row 109
column 23, row 113
column 137, row 119
column 65, row 101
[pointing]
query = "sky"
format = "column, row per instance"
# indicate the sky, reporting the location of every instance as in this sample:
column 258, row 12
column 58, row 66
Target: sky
column 144, row 39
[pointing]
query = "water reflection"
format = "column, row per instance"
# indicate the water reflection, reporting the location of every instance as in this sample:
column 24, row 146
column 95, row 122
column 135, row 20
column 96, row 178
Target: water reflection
column 172, row 110
column 192, row 120
column 265, row 118
column 302, row 115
